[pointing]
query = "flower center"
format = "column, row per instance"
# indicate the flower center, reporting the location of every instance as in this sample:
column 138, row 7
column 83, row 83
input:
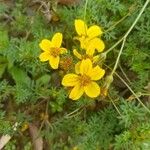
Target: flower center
column 84, row 80
column 55, row 51
column 87, row 57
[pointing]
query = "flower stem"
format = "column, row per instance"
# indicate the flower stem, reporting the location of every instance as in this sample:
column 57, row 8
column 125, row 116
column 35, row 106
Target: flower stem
column 130, row 29
column 132, row 92
column 114, row 105
column 117, row 61
column 129, row 89
column 127, row 33
column 85, row 9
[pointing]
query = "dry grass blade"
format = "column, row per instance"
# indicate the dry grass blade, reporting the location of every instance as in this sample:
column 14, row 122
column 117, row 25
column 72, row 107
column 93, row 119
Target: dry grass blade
column 4, row 140
column 37, row 141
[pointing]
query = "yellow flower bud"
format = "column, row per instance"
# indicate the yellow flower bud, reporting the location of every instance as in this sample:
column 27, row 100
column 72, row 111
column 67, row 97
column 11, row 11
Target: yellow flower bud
column 24, row 127
column 108, row 81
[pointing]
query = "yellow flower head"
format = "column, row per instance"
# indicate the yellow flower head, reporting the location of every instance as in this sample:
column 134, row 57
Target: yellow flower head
column 84, row 56
column 88, row 37
column 52, row 49
column 84, row 81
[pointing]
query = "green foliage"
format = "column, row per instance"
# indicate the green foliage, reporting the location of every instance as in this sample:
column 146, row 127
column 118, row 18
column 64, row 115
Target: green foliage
column 59, row 99
column 29, row 87
column 100, row 130
column 5, row 126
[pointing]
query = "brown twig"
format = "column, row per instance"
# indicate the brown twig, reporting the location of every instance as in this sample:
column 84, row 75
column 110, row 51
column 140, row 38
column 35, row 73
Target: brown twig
column 46, row 9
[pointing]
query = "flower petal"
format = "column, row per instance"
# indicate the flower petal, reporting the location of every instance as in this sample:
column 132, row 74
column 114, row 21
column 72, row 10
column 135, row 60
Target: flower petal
column 45, row 45
column 92, row 90
column 83, row 42
column 96, row 58
column 100, row 46
column 78, row 55
column 54, row 62
column 81, row 27
column 95, row 43
column 57, row 40
column 63, row 50
column 97, row 73
column 86, row 66
column 77, row 67
column 70, row 80
column 76, row 92
column 44, row 56
column 90, row 50
column 94, row 31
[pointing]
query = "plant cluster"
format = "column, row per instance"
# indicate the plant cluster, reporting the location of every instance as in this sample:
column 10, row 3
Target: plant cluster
column 79, row 100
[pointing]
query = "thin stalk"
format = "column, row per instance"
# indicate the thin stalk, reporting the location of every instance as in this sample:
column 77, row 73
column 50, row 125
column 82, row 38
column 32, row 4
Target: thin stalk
column 130, row 29
column 115, row 24
column 117, row 61
column 129, row 88
column 124, row 74
column 132, row 92
column 145, row 94
column 85, row 9
column 115, row 105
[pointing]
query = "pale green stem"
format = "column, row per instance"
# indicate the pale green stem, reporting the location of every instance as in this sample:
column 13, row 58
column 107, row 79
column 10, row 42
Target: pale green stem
column 115, row 24
column 130, row 29
column 114, row 105
column 111, row 48
column 145, row 94
column 124, row 74
column 132, row 92
column 73, row 112
column 117, row 61
column 129, row 89
column 85, row 9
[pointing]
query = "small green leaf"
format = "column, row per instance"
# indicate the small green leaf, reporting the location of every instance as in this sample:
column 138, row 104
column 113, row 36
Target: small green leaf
column 20, row 76
column 2, row 69
column 43, row 80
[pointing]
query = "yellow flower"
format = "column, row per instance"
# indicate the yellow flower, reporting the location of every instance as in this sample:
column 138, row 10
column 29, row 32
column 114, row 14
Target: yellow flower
column 88, row 37
column 85, row 56
column 84, row 81
column 52, row 49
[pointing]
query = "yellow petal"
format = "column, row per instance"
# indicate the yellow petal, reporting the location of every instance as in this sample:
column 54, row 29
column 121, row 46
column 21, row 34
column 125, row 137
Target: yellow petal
column 81, row 27
column 86, row 66
column 57, row 40
column 70, row 80
column 92, row 90
column 96, row 43
column 94, row 31
column 97, row 73
column 96, row 58
column 83, row 42
column 76, row 92
column 90, row 50
column 44, row 56
column 77, row 67
column 78, row 55
column 54, row 62
column 63, row 50
column 100, row 45
column 45, row 45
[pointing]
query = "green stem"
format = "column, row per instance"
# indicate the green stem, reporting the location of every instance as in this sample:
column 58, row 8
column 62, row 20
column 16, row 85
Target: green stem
column 132, row 92
column 115, row 24
column 123, row 72
column 114, row 105
column 126, row 35
column 129, row 88
column 85, row 9
column 117, row 61
column 130, row 29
